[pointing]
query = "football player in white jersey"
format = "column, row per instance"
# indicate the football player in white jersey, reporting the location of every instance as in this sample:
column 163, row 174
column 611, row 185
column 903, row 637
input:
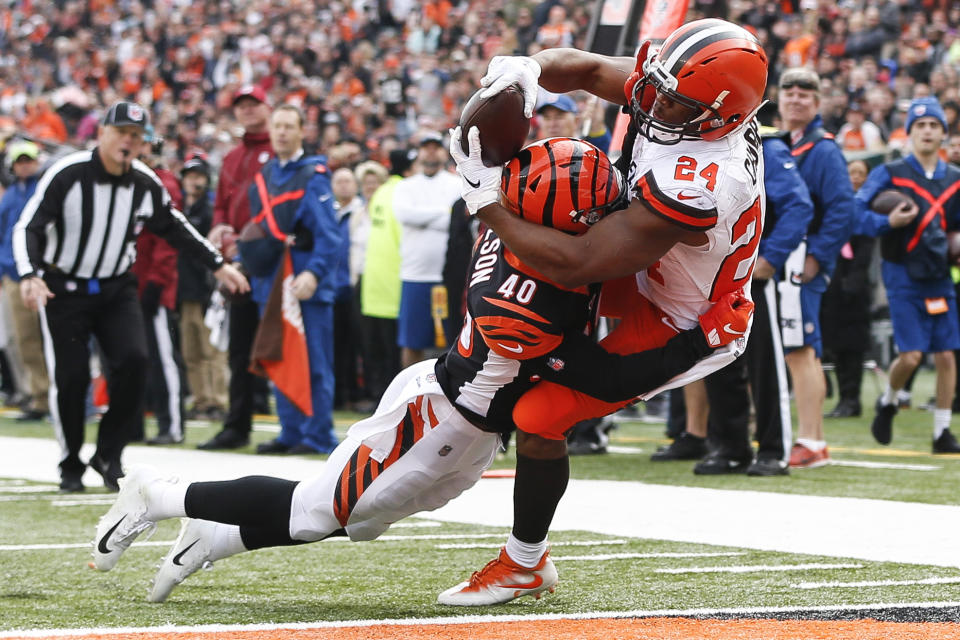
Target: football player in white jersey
column 439, row 422
column 689, row 235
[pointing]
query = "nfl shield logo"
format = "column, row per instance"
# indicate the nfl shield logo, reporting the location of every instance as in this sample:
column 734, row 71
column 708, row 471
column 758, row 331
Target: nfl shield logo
column 135, row 113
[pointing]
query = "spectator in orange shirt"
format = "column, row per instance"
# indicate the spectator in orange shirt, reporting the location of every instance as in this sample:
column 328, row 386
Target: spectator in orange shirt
column 43, row 123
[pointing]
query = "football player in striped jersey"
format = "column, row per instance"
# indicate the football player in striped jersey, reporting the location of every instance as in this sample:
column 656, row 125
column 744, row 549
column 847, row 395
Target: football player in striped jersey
column 439, row 424
column 688, row 237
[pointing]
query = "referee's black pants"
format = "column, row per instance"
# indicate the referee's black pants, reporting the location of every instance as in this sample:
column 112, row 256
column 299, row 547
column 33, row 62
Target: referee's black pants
column 113, row 317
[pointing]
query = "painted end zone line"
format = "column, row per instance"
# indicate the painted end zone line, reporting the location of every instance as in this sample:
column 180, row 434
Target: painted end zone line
column 874, row 583
column 450, row 620
column 761, row 567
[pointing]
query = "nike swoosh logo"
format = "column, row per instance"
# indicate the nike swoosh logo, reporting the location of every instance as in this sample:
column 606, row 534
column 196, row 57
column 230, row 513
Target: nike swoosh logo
column 102, row 545
column 325, row 198
column 683, row 196
column 730, row 329
column 514, row 349
column 475, row 185
column 179, row 556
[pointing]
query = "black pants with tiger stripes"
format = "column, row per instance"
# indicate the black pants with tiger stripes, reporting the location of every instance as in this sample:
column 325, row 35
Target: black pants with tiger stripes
column 109, row 311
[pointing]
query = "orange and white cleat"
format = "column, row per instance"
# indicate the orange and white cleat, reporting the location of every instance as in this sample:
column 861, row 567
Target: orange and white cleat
column 503, row 580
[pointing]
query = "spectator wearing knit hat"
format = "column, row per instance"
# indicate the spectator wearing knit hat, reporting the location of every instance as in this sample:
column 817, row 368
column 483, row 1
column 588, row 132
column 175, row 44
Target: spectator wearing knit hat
column 916, row 272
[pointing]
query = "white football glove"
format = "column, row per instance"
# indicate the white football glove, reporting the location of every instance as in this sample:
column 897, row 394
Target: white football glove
column 506, row 70
column 479, row 184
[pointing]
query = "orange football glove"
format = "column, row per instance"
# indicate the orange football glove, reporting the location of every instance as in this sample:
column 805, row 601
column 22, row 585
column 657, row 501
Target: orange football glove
column 727, row 320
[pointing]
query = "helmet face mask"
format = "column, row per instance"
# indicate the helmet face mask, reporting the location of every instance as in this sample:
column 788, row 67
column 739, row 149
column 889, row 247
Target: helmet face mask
column 714, row 69
column 563, row 183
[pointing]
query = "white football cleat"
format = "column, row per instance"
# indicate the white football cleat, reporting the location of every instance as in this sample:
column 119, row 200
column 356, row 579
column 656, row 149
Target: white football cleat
column 503, row 580
column 189, row 553
column 126, row 519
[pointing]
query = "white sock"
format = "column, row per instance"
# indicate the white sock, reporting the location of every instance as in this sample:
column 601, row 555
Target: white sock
column 813, row 445
column 888, row 396
column 903, row 395
column 166, row 500
column 226, row 541
column 526, row 554
column 941, row 422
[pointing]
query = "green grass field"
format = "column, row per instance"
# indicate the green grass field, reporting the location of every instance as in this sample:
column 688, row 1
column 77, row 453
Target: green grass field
column 399, row 577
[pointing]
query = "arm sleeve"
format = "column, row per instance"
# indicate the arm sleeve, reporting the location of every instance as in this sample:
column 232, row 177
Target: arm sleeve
column 172, row 226
column 581, row 364
column 831, row 184
column 790, row 199
column 869, row 222
column 317, row 215
column 29, row 234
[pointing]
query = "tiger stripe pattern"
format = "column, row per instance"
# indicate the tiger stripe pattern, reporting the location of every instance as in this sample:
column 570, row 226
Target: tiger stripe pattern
column 362, row 469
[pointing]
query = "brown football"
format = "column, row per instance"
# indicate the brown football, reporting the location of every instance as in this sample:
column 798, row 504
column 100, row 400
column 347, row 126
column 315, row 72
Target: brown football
column 887, row 200
column 503, row 127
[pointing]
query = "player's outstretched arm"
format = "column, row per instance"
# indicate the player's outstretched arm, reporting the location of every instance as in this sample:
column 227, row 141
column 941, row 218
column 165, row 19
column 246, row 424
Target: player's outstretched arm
column 581, row 364
column 565, row 70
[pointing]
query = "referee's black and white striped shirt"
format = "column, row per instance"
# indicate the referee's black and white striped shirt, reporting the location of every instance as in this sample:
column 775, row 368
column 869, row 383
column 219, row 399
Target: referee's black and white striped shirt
column 83, row 222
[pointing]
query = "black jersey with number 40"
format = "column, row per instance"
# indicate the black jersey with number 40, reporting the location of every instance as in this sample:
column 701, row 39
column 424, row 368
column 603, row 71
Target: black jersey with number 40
column 521, row 328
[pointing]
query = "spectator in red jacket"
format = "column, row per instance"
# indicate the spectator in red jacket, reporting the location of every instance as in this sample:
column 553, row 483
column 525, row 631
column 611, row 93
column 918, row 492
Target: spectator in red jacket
column 156, row 271
column 231, row 210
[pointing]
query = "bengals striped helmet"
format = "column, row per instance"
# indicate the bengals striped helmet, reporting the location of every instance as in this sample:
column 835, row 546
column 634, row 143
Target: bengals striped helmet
column 562, row 183
column 715, row 68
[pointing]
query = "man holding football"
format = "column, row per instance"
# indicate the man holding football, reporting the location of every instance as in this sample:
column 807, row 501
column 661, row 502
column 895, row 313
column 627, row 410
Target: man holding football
column 440, row 422
column 688, row 236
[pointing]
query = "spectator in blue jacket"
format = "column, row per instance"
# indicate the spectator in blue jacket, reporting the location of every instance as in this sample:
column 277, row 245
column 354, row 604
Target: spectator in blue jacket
column 915, row 268
column 824, row 169
column 299, row 195
column 25, row 166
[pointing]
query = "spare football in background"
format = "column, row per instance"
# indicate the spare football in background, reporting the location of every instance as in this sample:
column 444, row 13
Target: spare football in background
column 887, row 200
column 503, row 127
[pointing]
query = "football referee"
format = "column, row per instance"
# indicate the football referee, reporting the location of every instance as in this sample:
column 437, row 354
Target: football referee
column 74, row 245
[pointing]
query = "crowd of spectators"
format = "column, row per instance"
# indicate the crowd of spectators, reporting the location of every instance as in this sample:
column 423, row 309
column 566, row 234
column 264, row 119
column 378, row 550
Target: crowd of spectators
column 372, row 77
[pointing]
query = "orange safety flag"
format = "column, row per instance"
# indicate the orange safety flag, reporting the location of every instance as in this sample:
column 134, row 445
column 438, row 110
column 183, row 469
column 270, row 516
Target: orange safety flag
column 280, row 347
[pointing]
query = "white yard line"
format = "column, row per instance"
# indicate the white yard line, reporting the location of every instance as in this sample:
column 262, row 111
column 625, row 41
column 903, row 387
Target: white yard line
column 643, row 556
column 473, row 619
column 760, row 568
column 572, row 543
column 77, row 545
column 866, row 464
column 38, row 488
column 613, row 448
column 873, row 583
column 81, row 503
